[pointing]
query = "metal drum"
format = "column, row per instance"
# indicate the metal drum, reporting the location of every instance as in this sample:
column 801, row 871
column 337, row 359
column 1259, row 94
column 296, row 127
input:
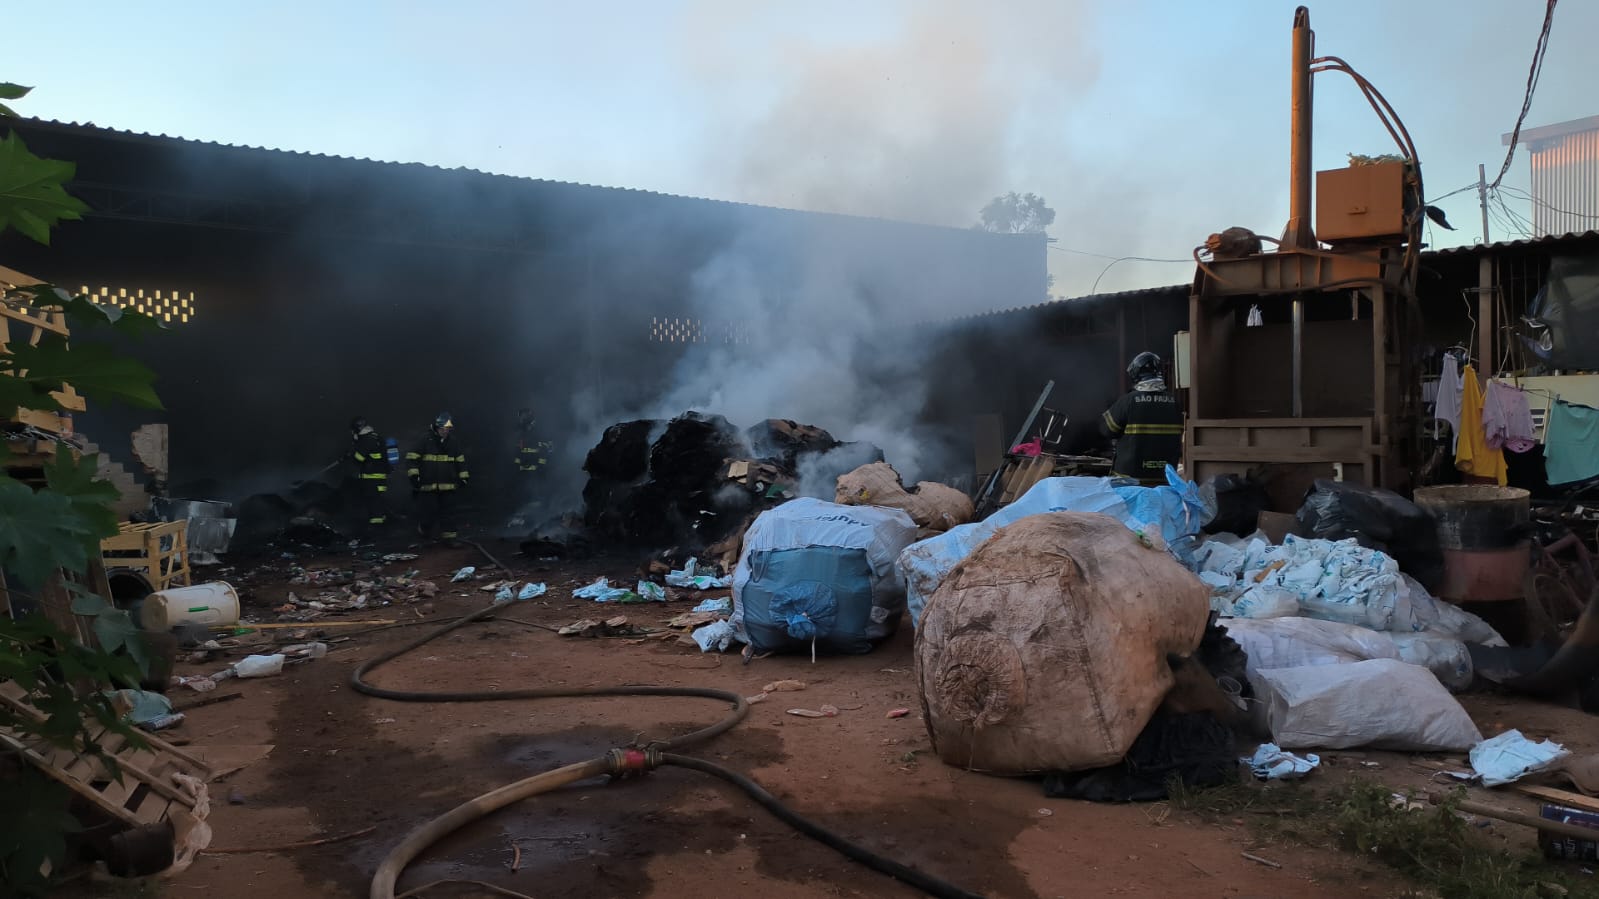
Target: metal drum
column 1484, row 533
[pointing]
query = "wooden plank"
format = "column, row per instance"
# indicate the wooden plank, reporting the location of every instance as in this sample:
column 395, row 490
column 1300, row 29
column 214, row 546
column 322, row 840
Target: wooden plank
column 1348, row 455
column 71, row 783
column 1559, row 797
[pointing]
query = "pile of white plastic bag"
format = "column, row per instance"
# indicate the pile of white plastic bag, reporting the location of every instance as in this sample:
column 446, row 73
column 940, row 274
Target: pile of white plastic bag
column 1339, row 581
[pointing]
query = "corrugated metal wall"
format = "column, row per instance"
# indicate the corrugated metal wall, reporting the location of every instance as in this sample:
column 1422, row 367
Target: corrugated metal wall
column 1565, row 184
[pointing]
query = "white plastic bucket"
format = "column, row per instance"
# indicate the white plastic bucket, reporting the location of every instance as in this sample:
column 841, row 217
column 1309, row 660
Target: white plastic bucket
column 209, row 605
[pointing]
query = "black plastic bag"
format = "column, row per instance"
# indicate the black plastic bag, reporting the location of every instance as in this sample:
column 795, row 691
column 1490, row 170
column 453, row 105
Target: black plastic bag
column 1239, row 499
column 1377, row 519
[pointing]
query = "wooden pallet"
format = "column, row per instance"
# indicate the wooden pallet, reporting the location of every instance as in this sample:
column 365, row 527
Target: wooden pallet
column 157, row 550
column 147, row 792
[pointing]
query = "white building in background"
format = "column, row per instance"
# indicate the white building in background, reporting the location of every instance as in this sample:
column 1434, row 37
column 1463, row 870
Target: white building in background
column 1565, row 176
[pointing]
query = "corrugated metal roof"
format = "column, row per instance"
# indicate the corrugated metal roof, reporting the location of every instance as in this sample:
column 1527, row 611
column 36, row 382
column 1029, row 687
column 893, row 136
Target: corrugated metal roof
column 1472, row 249
column 1559, row 129
column 121, row 134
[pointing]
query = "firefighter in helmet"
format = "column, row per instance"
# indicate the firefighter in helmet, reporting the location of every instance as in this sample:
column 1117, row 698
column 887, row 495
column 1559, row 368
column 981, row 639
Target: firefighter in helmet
column 438, row 472
column 370, row 464
column 1147, row 424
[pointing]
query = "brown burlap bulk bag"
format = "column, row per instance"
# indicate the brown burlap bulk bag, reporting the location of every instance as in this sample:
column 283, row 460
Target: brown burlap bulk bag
column 1045, row 650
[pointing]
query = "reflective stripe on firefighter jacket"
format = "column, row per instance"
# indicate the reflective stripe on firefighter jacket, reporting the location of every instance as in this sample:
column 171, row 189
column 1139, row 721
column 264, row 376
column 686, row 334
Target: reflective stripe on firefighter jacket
column 530, row 455
column 437, row 465
column 367, row 453
column 1148, row 425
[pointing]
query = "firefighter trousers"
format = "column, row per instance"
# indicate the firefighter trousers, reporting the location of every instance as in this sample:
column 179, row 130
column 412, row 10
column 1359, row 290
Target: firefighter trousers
column 435, row 514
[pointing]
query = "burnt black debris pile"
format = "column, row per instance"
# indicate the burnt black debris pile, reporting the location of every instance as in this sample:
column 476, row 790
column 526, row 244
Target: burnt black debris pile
column 698, row 479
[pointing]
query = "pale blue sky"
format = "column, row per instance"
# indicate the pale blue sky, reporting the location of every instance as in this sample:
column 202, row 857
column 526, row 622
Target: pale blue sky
column 1147, row 124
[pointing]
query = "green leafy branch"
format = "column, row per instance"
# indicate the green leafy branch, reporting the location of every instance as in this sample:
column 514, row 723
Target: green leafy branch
column 50, row 535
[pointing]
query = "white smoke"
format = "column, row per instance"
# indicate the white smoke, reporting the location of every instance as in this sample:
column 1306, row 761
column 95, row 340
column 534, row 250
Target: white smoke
column 922, row 111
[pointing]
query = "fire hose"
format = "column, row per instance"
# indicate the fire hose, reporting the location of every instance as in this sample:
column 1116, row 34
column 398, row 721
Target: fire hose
column 616, row 763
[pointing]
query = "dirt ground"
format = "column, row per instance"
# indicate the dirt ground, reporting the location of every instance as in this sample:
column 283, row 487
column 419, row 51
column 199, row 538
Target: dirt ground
column 342, row 763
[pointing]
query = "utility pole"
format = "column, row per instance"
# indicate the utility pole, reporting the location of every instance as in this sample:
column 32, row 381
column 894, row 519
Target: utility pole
column 1482, row 200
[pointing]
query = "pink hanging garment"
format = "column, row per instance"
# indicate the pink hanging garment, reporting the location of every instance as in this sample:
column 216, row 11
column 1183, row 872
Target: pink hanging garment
column 1507, row 418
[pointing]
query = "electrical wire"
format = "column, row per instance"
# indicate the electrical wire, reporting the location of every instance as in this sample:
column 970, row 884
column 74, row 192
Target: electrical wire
column 1533, row 75
column 1522, row 223
column 1114, row 258
column 1095, row 289
column 1434, row 200
column 1538, row 201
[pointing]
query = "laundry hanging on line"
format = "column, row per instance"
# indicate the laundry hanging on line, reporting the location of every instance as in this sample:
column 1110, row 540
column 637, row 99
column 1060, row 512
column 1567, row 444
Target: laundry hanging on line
column 1571, row 443
column 1447, row 406
column 1507, row 418
column 1473, row 455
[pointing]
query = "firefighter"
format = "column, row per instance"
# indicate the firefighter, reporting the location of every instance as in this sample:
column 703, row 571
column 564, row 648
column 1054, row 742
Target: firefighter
column 371, row 466
column 438, row 471
column 531, row 455
column 1147, row 424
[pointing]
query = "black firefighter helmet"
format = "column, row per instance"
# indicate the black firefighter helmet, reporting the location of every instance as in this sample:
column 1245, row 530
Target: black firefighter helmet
column 1144, row 365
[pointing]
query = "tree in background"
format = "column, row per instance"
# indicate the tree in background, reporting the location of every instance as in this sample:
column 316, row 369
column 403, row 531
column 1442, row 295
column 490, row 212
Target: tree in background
column 54, row 531
column 1016, row 213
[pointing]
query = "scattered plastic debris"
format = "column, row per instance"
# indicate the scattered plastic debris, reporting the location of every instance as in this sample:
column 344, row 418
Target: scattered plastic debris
column 717, row 635
column 651, row 591
column 725, row 604
column 690, row 577
column 258, row 666
column 1511, row 756
column 532, row 591
column 1272, row 763
column 400, row 557
column 464, row 574
column 602, row 591
column 785, row 686
column 504, row 594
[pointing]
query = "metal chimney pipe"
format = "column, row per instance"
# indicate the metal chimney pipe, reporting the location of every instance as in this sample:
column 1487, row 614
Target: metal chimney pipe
column 1299, row 232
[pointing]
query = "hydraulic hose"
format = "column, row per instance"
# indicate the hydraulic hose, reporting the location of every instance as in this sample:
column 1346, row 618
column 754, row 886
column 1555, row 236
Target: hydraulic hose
column 359, row 683
column 616, row 762
column 932, row 886
column 388, row 873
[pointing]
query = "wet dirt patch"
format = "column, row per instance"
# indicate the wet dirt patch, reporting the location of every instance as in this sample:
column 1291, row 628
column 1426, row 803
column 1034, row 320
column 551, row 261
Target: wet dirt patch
column 598, row 838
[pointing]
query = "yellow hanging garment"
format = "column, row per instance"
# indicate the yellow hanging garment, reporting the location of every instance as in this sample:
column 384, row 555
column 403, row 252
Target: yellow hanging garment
column 1472, row 455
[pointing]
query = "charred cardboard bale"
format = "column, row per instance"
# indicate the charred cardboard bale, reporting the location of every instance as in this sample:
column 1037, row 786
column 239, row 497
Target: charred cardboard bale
column 936, row 507
column 669, row 492
column 623, row 453
column 1046, row 649
column 693, row 449
column 785, row 441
